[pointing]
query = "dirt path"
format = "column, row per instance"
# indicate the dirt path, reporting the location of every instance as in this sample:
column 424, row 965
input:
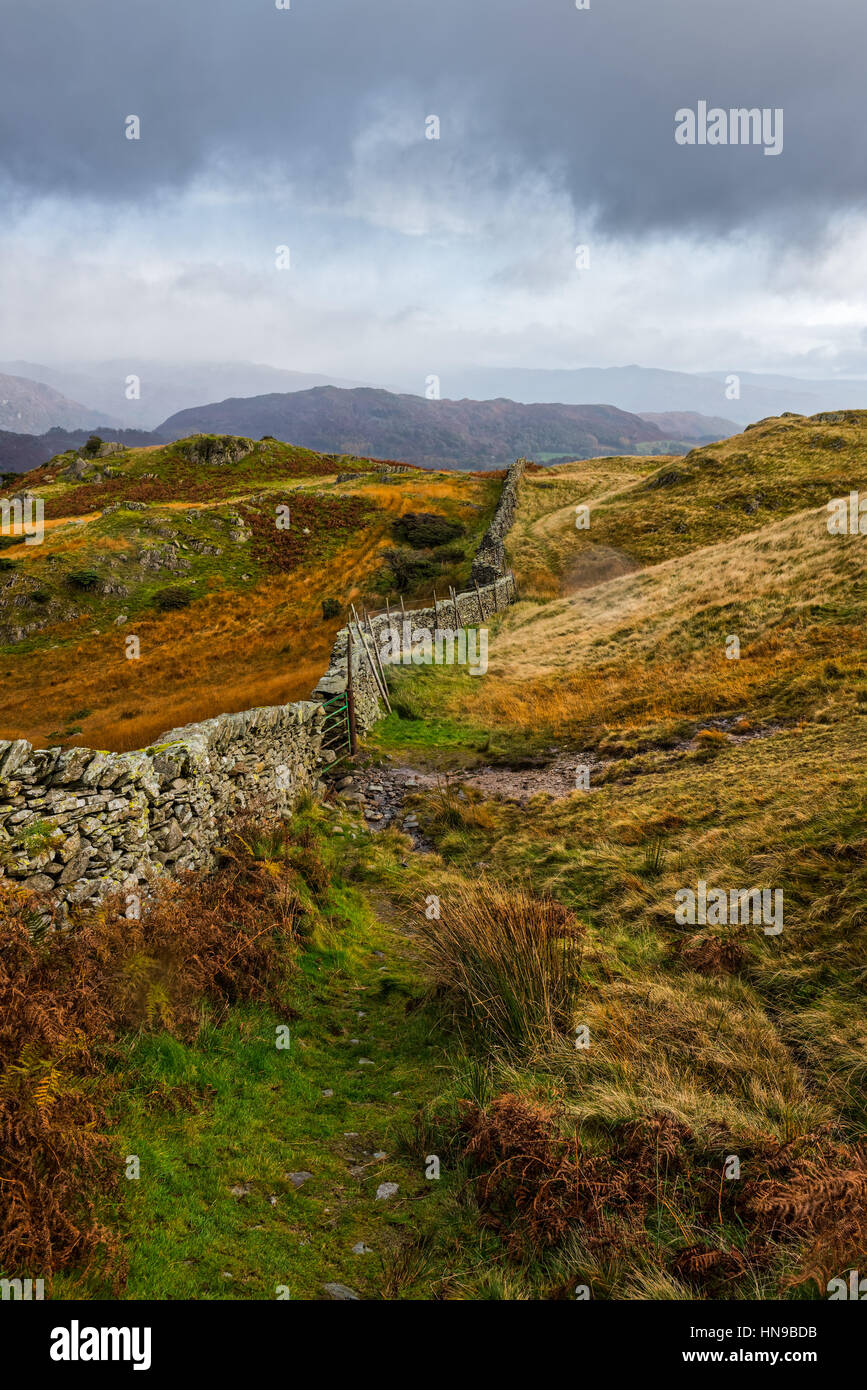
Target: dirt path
column 380, row 792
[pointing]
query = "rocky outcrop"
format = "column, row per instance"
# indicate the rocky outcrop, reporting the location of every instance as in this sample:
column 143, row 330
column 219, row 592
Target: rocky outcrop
column 216, row 449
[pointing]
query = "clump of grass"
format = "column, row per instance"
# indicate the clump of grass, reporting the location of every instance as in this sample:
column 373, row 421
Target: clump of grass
column 169, row 599
column 40, row 835
column 712, row 738
column 507, row 961
column 83, row 579
column 653, row 861
column 405, row 699
column 451, row 807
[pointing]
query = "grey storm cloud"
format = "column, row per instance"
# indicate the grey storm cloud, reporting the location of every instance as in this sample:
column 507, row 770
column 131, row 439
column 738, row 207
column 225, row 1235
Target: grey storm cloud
column 586, row 96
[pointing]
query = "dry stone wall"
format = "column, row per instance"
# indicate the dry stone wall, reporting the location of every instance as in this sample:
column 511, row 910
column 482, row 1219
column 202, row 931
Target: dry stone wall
column 470, row 609
column 489, row 564
column 77, row 823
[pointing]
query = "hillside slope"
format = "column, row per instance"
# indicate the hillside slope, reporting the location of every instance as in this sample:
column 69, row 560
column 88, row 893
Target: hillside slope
column 697, row 656
column 440, row 433
column 179, row 546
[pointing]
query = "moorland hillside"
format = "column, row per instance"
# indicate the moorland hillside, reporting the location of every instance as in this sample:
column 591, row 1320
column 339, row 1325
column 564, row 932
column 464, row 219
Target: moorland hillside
column 232, row 561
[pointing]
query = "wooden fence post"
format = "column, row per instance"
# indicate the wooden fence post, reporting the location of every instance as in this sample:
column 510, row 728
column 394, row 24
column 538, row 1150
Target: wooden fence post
column 370, row 661
column 481, row 604
column 378, row 661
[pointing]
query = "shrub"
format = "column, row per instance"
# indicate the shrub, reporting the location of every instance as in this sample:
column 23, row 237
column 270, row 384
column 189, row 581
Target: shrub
column 425, row 530
column 83, row 579
column 93, row 446
column 330, row 608
column 167, row 600
column 507, row 960
column 408, row 568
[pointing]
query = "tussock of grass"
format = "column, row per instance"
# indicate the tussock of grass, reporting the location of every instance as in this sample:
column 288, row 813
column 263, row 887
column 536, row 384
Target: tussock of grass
column 507, row 961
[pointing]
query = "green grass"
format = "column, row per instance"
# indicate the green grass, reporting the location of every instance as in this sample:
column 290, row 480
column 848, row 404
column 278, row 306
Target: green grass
column 233, row 1110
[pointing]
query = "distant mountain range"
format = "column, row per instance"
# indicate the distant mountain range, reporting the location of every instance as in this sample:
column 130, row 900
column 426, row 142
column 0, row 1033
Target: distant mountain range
column 506, row 411
column 167, row 387
column 641, row 389
column 31, row 407
column 380, row 424
column 164, row 387
column 431, row 433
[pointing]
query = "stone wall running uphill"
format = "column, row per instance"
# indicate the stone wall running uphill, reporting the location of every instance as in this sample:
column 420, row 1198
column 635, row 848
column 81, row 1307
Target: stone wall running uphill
column 77, row 823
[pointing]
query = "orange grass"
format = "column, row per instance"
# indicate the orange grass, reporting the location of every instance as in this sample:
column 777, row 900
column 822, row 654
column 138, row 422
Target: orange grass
column 634, row 691
column 232, row 649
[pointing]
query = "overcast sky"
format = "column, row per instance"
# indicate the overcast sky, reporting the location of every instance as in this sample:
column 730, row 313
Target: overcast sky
column 305, row 128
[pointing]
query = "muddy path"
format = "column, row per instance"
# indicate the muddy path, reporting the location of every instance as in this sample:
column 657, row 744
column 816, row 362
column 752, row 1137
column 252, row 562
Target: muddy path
column 380, row 792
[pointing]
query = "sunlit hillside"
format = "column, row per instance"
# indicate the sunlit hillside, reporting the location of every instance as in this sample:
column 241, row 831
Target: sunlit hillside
column 180, row 547
column 700, row 651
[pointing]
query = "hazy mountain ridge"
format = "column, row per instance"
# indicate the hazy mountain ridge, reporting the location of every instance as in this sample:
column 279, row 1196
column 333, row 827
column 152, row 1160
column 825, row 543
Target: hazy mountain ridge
column 30, row 407
column 691, row 425
column 652, row 389
column 164, row 386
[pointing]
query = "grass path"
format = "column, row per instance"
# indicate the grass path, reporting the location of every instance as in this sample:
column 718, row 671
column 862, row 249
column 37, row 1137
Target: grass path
column 215, row 1213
